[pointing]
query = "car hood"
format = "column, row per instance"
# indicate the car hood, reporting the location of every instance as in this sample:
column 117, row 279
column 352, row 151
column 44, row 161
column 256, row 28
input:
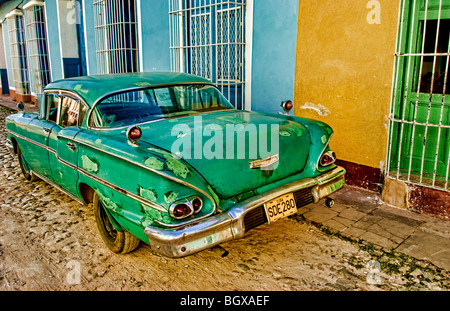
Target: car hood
column 234, row 151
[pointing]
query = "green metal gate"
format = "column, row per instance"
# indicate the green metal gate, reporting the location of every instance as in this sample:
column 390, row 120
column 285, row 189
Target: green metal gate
column 419, row 133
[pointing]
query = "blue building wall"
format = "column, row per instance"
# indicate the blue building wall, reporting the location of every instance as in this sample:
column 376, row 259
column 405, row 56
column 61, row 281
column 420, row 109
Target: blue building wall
column 155, row 40
column 53, row 39
column 272, row 60
column 89, row 33
column 274, row 53
column 9, row 74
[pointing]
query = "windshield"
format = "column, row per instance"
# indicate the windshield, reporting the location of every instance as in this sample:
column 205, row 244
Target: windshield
column 140, row 106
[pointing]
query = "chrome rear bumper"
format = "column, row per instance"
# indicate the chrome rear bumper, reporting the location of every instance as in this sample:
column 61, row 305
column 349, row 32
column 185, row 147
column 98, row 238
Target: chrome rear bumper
column 184, row 241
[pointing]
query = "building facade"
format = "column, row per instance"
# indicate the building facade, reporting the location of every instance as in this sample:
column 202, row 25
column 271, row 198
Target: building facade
column 375, row 70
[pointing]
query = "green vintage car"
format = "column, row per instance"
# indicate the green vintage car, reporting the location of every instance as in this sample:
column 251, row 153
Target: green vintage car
column 165, row 159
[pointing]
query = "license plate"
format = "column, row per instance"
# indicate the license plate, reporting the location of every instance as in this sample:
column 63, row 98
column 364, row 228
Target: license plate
column 281, row 207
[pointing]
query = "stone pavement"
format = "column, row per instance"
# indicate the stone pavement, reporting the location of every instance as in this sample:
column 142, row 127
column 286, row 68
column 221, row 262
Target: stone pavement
column 5, row 100
column 361, row 216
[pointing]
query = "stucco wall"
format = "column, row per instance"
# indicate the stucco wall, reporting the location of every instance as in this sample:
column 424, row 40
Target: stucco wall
column 344, row 69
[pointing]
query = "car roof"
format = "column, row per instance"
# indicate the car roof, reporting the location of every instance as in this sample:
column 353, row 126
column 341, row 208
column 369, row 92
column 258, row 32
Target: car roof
column 92, row 88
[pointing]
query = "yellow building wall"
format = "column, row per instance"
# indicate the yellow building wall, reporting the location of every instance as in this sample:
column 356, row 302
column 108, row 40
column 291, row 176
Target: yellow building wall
column 344, row 70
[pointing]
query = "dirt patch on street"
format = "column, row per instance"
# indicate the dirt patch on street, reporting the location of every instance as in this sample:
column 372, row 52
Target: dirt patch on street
column 50, row 242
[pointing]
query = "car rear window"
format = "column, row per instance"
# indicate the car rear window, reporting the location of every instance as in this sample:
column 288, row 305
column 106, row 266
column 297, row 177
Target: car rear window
column 150, row 104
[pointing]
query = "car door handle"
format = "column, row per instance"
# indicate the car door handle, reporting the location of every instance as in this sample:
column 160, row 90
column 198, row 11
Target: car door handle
column 46, row 130
column 71, row 146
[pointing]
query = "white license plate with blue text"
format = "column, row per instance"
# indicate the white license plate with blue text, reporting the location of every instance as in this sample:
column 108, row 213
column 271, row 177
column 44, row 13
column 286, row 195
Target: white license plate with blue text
column 281, row 207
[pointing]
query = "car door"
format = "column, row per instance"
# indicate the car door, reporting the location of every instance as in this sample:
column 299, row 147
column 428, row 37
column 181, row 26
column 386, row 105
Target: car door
column 63, row 148
column 38, row 131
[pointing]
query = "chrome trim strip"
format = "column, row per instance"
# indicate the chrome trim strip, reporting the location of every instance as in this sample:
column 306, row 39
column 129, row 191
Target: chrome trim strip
column 156, row 172
column 27, row 139
column 71, row 94
column 56, row 186
column 123, row 191
column 180, row 242
column 98, row 179
column 320, row 156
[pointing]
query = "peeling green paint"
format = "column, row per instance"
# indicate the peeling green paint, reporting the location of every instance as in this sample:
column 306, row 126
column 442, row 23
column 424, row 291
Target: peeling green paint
column 151, row 215
column 142, row 83
column 173, row 164
column 154, row 163
column 79, row 88
column 285, row 133
column 170, row 197
column 148, row 194
column 88, row 164
column 297, row 129
column 214, row 127
column 107, row 202
column 234, row 120
column 176, row 166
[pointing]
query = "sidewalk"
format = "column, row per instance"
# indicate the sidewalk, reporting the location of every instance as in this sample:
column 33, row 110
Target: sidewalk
column 361, row 215
column 5, row 100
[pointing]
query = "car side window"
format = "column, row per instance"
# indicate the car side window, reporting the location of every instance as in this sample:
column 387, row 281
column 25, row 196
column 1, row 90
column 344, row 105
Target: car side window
column 52, row 107
column 65, row 111
column 70, row 109
column 73, row 112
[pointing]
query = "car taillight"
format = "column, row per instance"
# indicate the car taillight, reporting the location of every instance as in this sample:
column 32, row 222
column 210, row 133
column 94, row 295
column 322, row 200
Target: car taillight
column 180, row 211
column 134, row 133
column 197, row 204
column 327, row 158
column 186, row 207
column 287, row 105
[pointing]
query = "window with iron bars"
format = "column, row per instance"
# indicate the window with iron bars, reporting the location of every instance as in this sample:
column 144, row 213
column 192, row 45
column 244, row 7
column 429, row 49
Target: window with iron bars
column 18, row 52
column 419, row 132
column 207, row 38
column 37, row 45
column 116, row 36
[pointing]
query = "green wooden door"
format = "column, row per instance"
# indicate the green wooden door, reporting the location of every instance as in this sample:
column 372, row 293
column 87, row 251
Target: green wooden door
column 420, row 117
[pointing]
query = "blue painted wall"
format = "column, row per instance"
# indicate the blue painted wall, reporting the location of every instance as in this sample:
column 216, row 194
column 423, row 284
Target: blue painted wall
column 274, row 53
column 89, row 32
column 54, row 50
column 9, row 72
column 155, row 35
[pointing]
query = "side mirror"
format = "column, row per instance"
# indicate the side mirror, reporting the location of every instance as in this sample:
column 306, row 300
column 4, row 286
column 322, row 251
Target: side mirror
column 20, row 106
column 287, row 106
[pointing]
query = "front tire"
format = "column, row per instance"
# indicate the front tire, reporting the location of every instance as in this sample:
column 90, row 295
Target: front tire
column 120, row 242
column 24, row 167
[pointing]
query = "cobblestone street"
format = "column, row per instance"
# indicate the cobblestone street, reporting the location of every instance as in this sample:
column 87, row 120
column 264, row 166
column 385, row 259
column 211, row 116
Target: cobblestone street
column 50, row 242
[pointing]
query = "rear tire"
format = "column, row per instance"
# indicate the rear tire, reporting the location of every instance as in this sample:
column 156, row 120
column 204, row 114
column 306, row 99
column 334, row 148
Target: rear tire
column 120, row 242
column 24, row 167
